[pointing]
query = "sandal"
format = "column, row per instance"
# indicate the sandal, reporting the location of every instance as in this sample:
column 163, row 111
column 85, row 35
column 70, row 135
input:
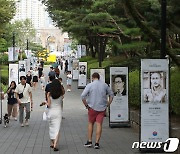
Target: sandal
column 56, row 149
column 51, row 146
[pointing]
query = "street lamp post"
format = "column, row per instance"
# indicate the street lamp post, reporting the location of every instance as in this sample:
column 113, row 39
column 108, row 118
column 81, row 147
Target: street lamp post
column 27, row 45
column 163, row 28
column 13, row 39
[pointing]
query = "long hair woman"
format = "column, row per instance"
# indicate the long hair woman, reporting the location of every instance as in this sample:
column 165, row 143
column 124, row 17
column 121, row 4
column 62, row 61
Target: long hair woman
column 12, row 101
column 55, row 112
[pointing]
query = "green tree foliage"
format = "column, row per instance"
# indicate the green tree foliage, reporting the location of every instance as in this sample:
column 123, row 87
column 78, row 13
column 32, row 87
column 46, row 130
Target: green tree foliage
column 23, row 31
column 3, row 45
column 131, row 27
column 7, row 11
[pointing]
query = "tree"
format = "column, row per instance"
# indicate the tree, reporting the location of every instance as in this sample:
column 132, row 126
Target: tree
column 7, row 11
column 127, row 26
column 23, row 31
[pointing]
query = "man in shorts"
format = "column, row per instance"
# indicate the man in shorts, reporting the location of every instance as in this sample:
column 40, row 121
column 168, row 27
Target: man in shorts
column 97, row 102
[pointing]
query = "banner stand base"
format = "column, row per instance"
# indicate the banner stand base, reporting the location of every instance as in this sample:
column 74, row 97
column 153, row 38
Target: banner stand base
column 119, row 125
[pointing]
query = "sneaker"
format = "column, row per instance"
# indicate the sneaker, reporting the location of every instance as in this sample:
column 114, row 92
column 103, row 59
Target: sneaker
column 22, row 125
column 26, row 123
column 88, row 144
column 96, row 146
column 15, row 119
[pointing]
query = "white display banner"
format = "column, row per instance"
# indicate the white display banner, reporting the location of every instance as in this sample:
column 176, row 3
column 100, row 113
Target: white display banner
column 83, row 50
column 79, row 51
column 13, row 73
column 119, row 109
column 82, row 80
column 154, row 100
column 75, row 71
column 13, row 53
column 27, row 65
column 22, row 68
column 100, row 71
column 28, row 53
column 70, row 63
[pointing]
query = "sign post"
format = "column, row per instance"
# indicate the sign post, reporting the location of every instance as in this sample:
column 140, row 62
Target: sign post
column 154, row 100
column 82, row 80
column 119, row 108
column 75, row 71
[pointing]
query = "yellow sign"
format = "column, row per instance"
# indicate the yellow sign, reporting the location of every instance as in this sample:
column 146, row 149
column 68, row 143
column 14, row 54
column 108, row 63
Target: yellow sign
column 51, row 58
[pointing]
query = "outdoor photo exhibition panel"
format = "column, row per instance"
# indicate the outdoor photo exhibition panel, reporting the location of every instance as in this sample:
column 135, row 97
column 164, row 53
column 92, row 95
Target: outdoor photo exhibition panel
column 119, row 110
column 154, row 100
column 13, row 53
column 82, row 80
column 75, row 71
column 101, row 73
column 22, row 68
column 27, row 65
column 13, row 73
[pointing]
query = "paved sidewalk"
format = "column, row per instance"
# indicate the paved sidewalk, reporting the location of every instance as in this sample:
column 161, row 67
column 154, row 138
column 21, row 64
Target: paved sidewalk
column 34, row 139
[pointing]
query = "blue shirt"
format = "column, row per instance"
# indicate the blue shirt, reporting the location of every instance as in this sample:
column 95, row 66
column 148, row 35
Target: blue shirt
column 95, row 94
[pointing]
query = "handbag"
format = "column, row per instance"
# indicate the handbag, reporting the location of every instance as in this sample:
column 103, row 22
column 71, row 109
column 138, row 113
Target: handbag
column 21, row 94
column 44, row 116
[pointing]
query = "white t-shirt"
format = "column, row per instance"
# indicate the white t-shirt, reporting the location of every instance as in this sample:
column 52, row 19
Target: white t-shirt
column 35, row 73
column 27, row 89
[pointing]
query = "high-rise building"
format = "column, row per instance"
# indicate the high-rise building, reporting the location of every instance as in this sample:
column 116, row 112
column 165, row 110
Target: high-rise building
column 33, row 10
column 36, row 12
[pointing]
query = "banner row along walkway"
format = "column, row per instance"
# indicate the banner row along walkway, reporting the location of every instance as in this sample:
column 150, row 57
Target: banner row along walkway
column 34, row 139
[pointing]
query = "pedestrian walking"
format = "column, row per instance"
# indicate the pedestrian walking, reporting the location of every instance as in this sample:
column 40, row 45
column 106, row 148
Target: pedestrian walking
column 12, row 101
column 24, row 98
column 42, row 63
column 69, row 81
column 40, row 70
column 55, row 112
column 35, row 77
column 66, row 66
column 29, row 78
column 51, row 72
column 97, row 102
column 57, row 71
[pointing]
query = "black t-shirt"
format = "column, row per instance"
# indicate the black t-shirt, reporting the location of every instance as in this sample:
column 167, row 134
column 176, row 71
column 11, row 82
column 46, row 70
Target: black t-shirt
column 11, row 97
column 48, row 86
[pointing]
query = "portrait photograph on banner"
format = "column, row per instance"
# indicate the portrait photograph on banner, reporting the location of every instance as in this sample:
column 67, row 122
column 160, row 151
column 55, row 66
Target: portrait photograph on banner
column 119, row 108
column 100, row 71
column 22, row 68
column 13, row 73
column 75, row 71
column 154, row 100
column 82, row 80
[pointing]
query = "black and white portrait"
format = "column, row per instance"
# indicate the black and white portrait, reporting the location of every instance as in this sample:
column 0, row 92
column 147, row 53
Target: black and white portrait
column 82, row 69
column 119, row 85
column 154, row 86
column 22, row 68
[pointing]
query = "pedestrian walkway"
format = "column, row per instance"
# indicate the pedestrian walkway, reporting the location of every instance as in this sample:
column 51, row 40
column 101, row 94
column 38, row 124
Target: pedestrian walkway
column 34, row 139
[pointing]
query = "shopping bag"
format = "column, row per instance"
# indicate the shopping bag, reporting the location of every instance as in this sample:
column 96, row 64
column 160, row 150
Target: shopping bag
column 44, row 116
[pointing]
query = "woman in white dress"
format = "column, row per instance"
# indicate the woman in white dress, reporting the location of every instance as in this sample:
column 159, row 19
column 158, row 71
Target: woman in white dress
column 55, row 112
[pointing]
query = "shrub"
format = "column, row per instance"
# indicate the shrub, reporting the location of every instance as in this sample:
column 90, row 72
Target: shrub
column 134, row 89
column 4, row 87
column 175, row 91
column 4, row 59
